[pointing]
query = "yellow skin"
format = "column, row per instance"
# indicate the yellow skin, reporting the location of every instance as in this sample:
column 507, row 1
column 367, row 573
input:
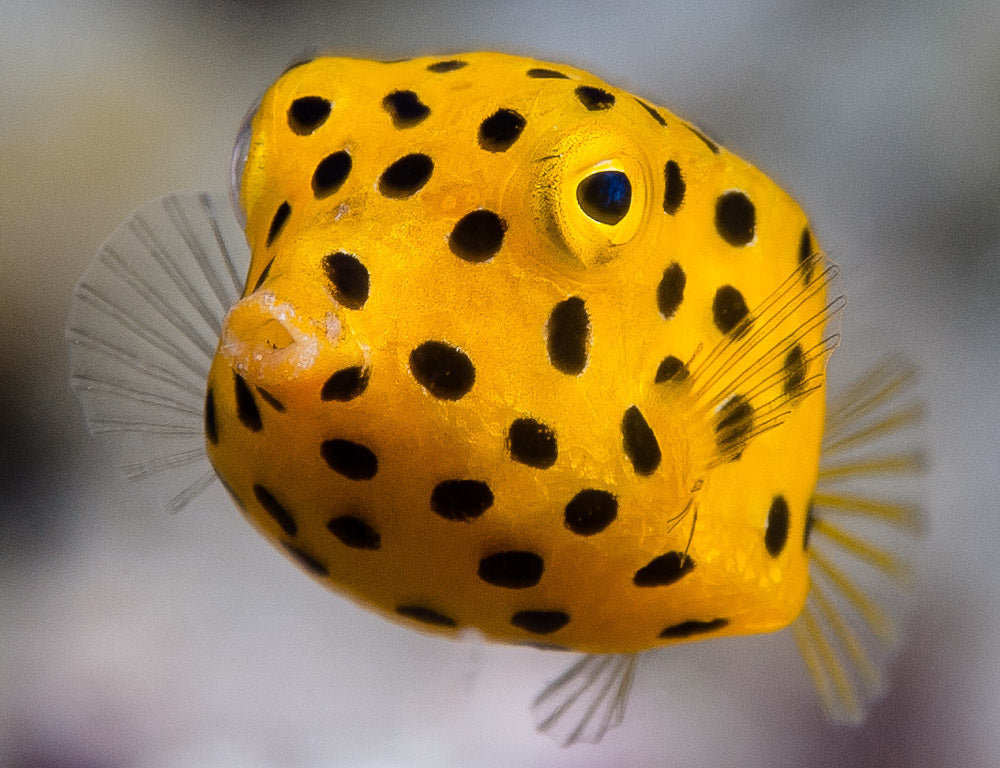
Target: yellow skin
column 711, row 508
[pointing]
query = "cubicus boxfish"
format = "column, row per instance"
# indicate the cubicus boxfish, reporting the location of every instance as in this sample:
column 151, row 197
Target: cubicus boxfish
column 511, row 350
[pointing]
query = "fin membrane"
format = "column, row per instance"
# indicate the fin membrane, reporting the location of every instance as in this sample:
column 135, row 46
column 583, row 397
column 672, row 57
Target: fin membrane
column 846, row 632
column 143, row 326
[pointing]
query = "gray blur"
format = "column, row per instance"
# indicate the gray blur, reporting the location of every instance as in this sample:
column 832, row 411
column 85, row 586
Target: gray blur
column 135, row 638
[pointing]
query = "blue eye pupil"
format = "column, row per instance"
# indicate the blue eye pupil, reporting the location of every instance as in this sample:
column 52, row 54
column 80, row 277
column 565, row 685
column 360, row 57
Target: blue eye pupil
column 605, row 196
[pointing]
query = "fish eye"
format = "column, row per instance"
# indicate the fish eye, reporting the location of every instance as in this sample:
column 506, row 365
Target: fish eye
column 238, row 161
column 605, row 196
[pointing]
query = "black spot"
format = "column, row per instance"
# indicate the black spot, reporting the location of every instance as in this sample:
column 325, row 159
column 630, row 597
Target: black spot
column 306, row 560
column 446, row 66
column 331, row 173
column 513, row 570
column 734, row 425
column 729, row 310
column 406, row 176
column 639, row 442
column 594, row 98
column 352, row 460
column 591, row 511
column 263, row 275
column 500, row 130
column 540, row 622
column 425, row 615
column 443, row 370
column 461, row 499
column 246, row 406
column 477, row 236
column 346, row 384
column 542, row 73
column 735, row 218
column 280, row 217
column 670, row 369
column 653, row 112
column 568, row 334
column 806, row 250
column 277, row 511
column 605, row 196
column 308, row 113
column 405, row 108
column 795, row 371
column 211, row 430
column 708, row 142
column 670, row 291
column 531, row 442
column 776, row 534
column 693, row 627
column 271, row 400
column 663, row 570
column 810, row 522
column 674, row 187
column 354, row 532
column 349, row 278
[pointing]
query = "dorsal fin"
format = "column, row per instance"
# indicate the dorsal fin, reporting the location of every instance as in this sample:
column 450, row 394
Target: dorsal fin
column 143, row 326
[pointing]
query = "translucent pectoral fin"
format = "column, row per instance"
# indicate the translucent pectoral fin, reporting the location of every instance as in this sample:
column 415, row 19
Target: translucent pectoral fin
column 143, row 327
column 587, row 700
column 848, row 629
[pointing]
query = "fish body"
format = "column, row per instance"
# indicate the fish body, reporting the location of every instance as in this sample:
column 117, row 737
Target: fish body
column 520, row 352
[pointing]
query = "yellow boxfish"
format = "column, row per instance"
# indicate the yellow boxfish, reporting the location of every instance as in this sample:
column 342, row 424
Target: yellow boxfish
column 511, row 350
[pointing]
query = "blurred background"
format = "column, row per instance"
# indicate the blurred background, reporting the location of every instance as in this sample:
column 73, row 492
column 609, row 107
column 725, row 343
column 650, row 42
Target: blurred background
column 134, row 638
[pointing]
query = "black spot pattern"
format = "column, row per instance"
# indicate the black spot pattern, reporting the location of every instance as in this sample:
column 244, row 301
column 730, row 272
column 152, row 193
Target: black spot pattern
column 500, row 130
column 567, row 336
column 806, row 250
column 425, row 615
column 346, row 384
column 513, row 570
column 729, row 309
column 674, row 187
column 735, row 218
column 653, row 112
column 349, row 278
column 531, row 442
column 670, row 369
column 590, row 512
column 776, row 533
column 246, row 407
column 477, row 236
column 405, row 108
column 540, row 622
column 795, row 371
column 810, row 521
column 639, row 442
column 708, row 142
column 352, row 460
column 542, row 73
column 280, row 217
column 443, row 370
column 275, row 510
column 692, row 627
column 270, row 399
column 211, row 429
column 354, row 532
column 663, row 570
column 734, row 425
column 263, row 275
column 605, row 196
column 446, row 66
column 670, row 291
column 461, row 499
column 406, row 176
column 308, row 113
column 306, row 560
column 331, row 173
column 593, row 98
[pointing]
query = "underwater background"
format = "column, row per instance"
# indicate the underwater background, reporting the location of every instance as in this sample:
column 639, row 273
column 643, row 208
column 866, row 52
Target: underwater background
column 134, row 638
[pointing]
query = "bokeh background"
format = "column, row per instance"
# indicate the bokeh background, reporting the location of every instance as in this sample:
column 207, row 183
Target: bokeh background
column 130, row 637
